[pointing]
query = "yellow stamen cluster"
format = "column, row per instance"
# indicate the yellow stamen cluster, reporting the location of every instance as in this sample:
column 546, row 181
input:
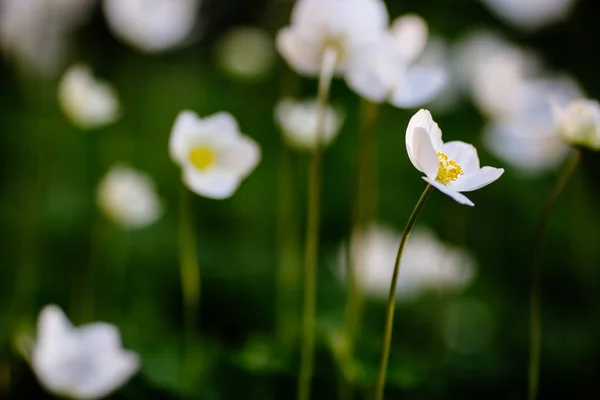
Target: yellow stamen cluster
column 202, row 157
column 448, row 170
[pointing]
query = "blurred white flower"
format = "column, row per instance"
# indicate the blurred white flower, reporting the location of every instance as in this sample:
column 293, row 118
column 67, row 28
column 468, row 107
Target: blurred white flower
column 530, row 14
column 387, row 71
column 152, row 25
column 213, row 154
column 128, row 197
column 427, row 264
column 35, row 32
column 298, row 123
column 451, row 167
column 85, row 362
column 579, row 123
column 346, row 26
column 88, row 102
column 246, row 53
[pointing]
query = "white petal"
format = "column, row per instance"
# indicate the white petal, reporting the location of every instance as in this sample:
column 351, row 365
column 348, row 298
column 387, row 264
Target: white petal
column 241, row 157
column 423, row 120
column 186, row 124
column 215, row 184
column 410, row 35
column 222, row 125
column 300, row 51
column 425, row 156
column 477, row 179
column 464, row 154
column 460, row 198
column 367, row 81
column 110, row 370
column 420, row 85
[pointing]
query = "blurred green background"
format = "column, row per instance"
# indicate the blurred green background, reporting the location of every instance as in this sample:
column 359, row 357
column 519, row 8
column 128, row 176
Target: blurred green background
column 52, row 230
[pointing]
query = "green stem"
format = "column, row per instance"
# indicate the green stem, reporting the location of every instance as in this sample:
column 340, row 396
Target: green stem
column 190, row 272
column 312, row 232
column 389, row 320
column 535, row 328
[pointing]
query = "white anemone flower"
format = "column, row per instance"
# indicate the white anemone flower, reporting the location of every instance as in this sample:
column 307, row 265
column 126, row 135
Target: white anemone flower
column 298, row 123
column 213, row 154
column 86, row 362
column 128, row 197
column 151, row 25
column 87, row 101
column 578, row 123
column 246, row 53
column 389, row 70
column 530, row 14
column 451, row 167
column 427, row 263
column 346, row 26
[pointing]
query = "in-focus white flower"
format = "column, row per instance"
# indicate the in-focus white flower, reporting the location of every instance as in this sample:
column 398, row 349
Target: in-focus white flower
column 151, row 25
column 246, row 53
column 128, row 197
column 579, row 123
column 387, row 71
column 530, row 14
column 347, row 26
column 451, row 167
column 86, row 362
column 212, row 153
column 298, row 123
column 35, row 32
column 427, row 264
column 88, row 102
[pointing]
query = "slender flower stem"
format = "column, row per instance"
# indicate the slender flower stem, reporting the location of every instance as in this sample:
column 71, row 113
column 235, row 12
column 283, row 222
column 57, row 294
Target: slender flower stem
column 389, row 320
column 535, row 328
column 189, row 269
column 312, row 232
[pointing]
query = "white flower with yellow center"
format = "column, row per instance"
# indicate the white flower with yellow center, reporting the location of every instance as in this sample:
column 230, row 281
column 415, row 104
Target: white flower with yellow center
column 389, row 70
column 86, row 362
column 213, row 154
column 451, row 167
column 128, row 197
column 578, row 123
column 298, row 123
column 346, row 26
column 87, row 101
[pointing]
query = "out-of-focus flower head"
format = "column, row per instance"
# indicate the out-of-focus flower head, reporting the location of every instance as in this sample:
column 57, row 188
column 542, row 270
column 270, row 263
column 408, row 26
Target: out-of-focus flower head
column 85, row 362
column 213, row 155
column 152, row 25
column 578, row 123
column 346, row 26
column 88, row 102
column 451, row 167
column 298, row 123
column 246, row 53
column 128, row 197
column 389, row 69
column 530, row 14
column 35, row 32
column 427, row 264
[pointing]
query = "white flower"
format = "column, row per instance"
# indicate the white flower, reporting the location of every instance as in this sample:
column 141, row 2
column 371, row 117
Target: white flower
column 213, row 154
column 530, row 14
column 246, row 52
column 579, row 123
column 346, row 26
column 427, row 264
column 86, row 362
column 88, row 102
column 451, row 167
column 298, row 123
column 386, row 70
column 151, row 25
column 129, row 198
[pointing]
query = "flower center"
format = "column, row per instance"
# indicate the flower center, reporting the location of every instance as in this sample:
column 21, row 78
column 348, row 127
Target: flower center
column 448, row 170
column 202, row 157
